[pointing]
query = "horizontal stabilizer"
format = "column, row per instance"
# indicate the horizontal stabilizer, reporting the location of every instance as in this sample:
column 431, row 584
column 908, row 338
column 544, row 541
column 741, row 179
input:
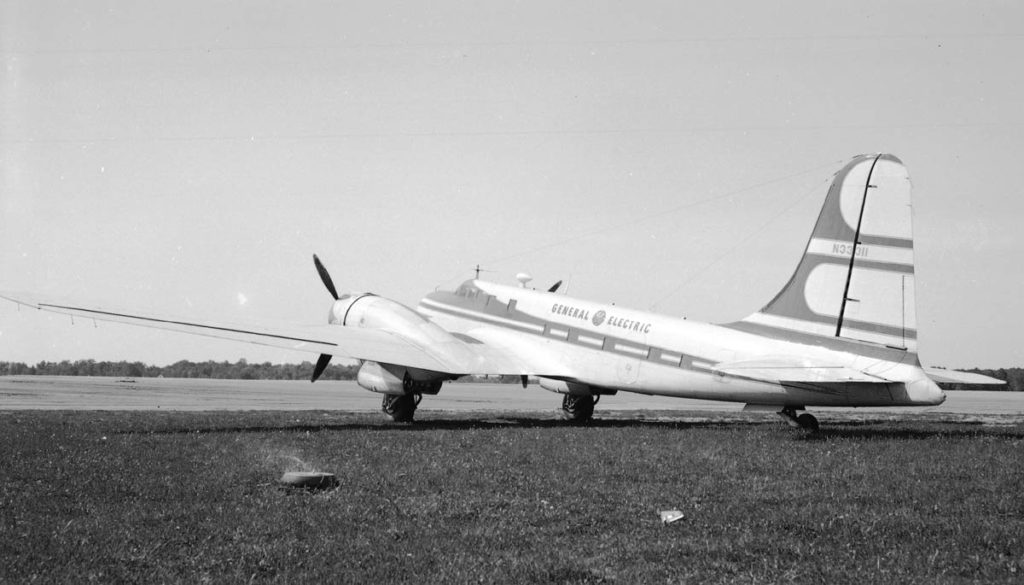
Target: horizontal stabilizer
column 945, row 377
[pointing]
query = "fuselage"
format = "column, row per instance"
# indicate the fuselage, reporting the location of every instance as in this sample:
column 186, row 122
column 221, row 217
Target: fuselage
column 609, row 348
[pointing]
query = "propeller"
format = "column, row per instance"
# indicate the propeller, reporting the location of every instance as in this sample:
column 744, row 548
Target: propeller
column 321, row 365
column 325, row 277
column 555, row 286
column 325, row 358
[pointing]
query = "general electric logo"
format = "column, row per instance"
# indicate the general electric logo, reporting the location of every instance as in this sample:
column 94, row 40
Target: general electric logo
column 598, row 318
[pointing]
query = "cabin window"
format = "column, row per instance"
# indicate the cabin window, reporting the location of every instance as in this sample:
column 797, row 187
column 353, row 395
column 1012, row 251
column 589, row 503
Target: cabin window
column 556, row 332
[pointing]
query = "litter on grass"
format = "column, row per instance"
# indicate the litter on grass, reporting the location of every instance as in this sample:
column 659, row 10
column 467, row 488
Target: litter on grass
column 310, row 480
column 670, row 516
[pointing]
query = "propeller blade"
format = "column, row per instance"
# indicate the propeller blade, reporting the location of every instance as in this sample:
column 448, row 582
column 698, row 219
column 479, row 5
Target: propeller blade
column 555, row 286
column 325, row 277
column 321, row 365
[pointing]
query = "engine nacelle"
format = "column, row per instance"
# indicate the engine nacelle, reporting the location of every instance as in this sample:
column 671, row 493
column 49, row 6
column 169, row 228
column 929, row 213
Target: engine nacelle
column 563, row 387
column 399, row 380
column 574, row 388
column 369, row 311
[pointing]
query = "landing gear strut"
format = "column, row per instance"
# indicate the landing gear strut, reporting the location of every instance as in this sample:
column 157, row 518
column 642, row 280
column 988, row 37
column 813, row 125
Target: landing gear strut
column 804, row 421
column 579, row 408
column 401, row 407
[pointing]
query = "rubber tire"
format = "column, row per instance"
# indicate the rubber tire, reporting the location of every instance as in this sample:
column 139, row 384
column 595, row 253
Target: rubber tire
column 402, row 409
column 807, row 422
column 578, row 409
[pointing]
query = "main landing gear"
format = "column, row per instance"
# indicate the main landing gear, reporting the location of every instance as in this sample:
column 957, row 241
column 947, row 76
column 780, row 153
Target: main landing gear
column 804, row 421
column 579, row 408
column 401, row 407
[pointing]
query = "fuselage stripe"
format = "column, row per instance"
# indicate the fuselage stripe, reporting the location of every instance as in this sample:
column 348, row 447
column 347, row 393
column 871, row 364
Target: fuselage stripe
column 654, row 355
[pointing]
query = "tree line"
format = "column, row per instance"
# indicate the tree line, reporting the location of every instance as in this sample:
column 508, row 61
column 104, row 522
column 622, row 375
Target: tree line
column 243, row 370
column 240, row 370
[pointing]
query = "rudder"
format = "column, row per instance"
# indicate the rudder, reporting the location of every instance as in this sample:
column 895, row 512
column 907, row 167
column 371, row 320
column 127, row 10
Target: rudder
column 855, row 280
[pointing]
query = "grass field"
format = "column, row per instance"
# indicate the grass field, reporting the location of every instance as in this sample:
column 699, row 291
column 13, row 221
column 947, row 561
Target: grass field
column 193, row 497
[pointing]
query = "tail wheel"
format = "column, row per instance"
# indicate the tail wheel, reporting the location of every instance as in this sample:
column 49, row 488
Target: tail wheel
column 401, row 407
column 578, row 408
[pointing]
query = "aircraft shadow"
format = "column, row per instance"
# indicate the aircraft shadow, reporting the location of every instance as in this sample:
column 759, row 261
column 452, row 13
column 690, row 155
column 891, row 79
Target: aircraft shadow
column 427, row 425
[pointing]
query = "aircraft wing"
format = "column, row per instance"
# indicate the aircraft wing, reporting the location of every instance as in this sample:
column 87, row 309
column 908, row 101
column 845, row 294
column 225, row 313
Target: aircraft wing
column 474, row 356
column 350, row 342
column 945, row 378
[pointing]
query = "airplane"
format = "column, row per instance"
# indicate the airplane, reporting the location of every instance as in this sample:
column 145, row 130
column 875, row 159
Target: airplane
column 841, row 332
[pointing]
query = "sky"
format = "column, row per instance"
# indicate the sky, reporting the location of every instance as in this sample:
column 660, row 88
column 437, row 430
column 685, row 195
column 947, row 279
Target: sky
column 189, row 158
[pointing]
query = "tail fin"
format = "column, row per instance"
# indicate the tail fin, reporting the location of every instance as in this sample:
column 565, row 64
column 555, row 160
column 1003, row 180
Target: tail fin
column 856, row 278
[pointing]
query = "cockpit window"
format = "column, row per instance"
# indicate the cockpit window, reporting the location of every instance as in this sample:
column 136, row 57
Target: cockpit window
column 467, row 290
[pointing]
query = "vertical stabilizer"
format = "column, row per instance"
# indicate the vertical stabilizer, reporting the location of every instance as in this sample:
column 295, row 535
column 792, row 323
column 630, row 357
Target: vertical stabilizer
column 856, row 278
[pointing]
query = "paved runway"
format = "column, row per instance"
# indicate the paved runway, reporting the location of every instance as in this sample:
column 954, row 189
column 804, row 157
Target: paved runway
column 87, row 393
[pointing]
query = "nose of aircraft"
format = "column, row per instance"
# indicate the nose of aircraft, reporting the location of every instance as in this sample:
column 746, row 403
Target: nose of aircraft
column 338, row 310
column 341, row 311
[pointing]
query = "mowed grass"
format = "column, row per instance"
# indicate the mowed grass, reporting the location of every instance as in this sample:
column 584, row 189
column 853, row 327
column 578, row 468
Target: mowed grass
column 143, row 496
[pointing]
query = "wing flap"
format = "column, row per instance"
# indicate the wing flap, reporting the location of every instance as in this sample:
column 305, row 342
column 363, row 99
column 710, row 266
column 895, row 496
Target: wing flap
column 502, row 352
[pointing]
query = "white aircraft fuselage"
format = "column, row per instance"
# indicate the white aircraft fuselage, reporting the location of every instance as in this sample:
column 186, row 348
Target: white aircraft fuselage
column 609, row 348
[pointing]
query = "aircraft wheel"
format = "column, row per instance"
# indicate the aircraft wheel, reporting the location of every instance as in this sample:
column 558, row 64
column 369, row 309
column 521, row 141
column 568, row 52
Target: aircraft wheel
column 807, row 422
column 578, row 408
column 402, row 407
